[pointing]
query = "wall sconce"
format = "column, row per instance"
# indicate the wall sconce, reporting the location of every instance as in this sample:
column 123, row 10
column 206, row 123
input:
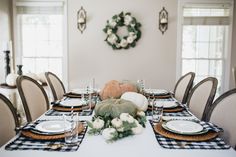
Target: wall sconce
column 81, row 19
column 163, row 20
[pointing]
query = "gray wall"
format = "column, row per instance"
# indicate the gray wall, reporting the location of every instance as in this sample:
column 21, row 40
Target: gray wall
column 153, row 58
column 5, row 32
column 90, row 57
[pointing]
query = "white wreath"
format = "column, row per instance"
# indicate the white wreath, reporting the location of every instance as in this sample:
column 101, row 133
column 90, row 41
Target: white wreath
column 122, row 19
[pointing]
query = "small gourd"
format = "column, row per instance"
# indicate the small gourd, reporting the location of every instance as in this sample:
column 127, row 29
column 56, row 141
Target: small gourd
column 11, row 79
column 138, row 99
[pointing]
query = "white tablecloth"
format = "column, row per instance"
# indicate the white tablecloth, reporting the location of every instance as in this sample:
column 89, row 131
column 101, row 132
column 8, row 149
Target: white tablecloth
column 141, row 145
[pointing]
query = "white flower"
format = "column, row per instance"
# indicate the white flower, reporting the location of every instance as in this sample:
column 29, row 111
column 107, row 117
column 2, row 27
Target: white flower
column 117, row 45
column 126, row 117
column 109, row 31
column 98, row 123
column 132, row 34
column 130, row 39
column 123, row 43
column 132, row 24
column 118, row 19
column 127, row 19
column 121, row 129
column 116, row 122
column 141, row 113
column 137, row 130
column 112, row 23
column 108, row 133
column 112, row 38
column 136, row 122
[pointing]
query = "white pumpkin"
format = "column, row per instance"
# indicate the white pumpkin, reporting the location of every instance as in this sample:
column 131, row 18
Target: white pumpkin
column 42, row 78
column 11, row 79
column 138, row 99
column 32, row 75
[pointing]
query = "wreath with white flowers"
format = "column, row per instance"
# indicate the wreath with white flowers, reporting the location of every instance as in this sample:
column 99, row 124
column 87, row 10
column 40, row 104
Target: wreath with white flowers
column 129, row 40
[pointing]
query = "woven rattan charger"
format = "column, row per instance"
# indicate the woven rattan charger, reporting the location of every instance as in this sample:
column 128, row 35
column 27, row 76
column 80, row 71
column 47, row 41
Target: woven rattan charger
column 36, row 136
column 194, row 138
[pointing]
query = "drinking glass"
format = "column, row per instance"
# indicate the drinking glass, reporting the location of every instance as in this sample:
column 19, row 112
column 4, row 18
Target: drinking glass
column 157, row 111
column 71, row 125
column 141, row 85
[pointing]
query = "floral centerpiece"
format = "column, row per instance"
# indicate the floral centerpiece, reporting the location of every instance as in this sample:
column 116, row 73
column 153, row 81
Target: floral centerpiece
column 122, row 19
column 113, row 122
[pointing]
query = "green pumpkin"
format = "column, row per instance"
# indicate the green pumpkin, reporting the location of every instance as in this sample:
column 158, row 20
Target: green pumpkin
column 114, row 107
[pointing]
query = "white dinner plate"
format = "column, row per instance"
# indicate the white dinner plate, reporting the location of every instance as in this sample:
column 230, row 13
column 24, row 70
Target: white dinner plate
column 168, row 104
column 156, row 91
column 183, row 127
column 75, row 102
column 53, row 126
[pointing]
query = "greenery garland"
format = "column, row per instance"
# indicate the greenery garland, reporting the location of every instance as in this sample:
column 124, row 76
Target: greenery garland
column 122, row 19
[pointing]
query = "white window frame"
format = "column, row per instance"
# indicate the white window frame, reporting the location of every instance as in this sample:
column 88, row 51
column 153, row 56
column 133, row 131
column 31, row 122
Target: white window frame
column 227, row 62
column 65, row 36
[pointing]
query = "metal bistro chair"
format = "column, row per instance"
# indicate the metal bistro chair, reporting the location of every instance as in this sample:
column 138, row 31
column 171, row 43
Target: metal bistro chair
column 223, row 114
column 56, row 86
column 8, row 120
column 33, row 96
column 183, row 86
column 202, row 96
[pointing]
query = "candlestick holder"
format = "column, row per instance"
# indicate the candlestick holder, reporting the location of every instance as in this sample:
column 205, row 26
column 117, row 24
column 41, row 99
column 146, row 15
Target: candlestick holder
column 19, row 71
column 7, row 63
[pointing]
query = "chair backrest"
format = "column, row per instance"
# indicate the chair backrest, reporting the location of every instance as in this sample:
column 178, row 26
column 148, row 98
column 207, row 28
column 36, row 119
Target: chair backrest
column 223, row 113
column 56, row 86
column 8, row 120
column 202, row 96
column 183, row 86
column 234, row 75
column 33, row 96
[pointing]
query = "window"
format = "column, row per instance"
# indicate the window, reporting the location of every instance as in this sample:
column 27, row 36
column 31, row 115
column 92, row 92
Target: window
column 40, row 35
column 204, row 47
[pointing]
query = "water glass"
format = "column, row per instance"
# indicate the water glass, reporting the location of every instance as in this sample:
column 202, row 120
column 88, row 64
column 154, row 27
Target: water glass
column 71, row 125
column 157, row 111
column 141, row 85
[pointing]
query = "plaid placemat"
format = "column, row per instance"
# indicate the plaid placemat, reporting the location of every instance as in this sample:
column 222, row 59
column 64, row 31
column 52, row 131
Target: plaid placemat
column 25, row 143
column 183, row 113
column 52, row 112
column 216, row 143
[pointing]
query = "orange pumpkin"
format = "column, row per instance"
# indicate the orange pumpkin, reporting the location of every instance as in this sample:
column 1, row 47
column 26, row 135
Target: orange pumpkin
column 111, row 90
column 114, row 89
column 127, row 87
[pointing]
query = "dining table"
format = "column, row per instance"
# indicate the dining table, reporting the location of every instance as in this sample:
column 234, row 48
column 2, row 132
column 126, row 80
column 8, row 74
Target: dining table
column 144, row 144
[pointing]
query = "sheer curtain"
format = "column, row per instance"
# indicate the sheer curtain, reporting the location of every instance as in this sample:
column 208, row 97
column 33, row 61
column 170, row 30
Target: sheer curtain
column 205, row 30
column 40, row 36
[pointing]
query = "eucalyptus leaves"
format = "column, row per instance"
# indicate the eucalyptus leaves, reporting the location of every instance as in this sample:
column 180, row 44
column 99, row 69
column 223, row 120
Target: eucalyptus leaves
column 116, row 128
column 129, row 40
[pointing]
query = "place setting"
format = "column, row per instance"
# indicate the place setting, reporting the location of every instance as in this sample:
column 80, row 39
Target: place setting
column 188, row 134
column 170, row 107
column 157, row 93
column 84, row 106
column 79, row 93
column 51, row 135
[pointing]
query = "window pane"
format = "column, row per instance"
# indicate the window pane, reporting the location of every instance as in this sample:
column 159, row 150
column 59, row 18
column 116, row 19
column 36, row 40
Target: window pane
column 188, row 65
column 42, row 42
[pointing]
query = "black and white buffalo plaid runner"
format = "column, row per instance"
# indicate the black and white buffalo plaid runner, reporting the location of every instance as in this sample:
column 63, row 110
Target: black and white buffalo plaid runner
column 25, row 143
column 52, row 112
column 216, row 143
